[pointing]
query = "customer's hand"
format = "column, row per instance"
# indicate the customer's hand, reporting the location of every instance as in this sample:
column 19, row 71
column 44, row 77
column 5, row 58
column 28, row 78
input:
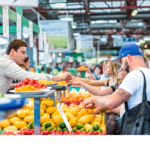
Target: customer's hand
column 75, row 82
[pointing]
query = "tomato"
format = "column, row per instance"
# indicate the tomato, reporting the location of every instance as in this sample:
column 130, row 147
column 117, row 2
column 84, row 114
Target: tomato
column 29, row 132
column 90, row 133
column 58, row 131
column 46, row 132
column 100, row 133
column 96, row 133
column 78, row 132
column 66, row 132
column 61, row 133
column 54, row 131
column 75, row 134
column 27, row 79
column 85, row 132
column 41, row 133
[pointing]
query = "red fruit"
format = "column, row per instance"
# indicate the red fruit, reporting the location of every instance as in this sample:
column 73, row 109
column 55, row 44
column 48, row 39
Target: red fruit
column 61, row 133
column 100, row 133
column 85, row 133
column 75, row 134
column 78, row 132
column 54, row 131
column 90, row 133
column 46, row 132
column 66, row 132
column 96, row 133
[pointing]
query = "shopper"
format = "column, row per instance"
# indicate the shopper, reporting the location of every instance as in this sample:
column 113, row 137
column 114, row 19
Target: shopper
column 96, row 73
column 111, row 71
column 10, row 67
column 131, row 89
column 64, row 69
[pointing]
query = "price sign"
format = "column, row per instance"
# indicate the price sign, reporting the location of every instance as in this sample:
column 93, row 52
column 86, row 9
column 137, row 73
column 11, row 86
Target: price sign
column 5, row 22
column 30, row 33
column 79, row 59
column 59, row 60
column 18, row 26
column 70, row 59
column 40, row 40
column 64, row 117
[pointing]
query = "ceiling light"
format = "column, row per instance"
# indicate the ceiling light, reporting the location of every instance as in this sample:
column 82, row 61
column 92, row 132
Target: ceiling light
column 58, row 5
column 145, row 46
column 60, row 54
column 67, row 19
column 134, row 12
column 137, row 43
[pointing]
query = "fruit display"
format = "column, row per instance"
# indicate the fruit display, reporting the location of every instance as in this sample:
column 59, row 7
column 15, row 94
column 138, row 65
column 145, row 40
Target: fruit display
column 27, row 131
column 26, row 88
column 45, row 82
column 82, row 68
column 75, row 97
column 33, row 82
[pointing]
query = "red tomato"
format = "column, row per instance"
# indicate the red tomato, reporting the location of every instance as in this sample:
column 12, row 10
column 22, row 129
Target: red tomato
column 61, row 133
column 54, row 131
column 66, row 132
column 27, row 79
column 96, row 133
column 90, row 133
column 100, row 133
column 78, row 132
column 46, row 132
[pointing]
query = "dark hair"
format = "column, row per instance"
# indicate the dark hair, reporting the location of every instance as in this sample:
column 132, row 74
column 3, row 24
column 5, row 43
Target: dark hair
column 26, row 59
column 63, row 68
column 97, row 67
column 15, row 44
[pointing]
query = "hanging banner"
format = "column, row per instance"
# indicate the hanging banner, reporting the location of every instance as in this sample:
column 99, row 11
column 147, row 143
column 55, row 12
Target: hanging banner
column 40, row 40
column 70, row 59
column 59, row 59
column 18, row 26
column 30, row 3
column 84, row 43
column 30, row 33
column 5, row 22
column 79, row 59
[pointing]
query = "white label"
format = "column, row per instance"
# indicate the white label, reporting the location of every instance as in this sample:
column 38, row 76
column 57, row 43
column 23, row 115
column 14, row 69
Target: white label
column 44, row 37
column 79, row 59
column 18, row 26
column 5, row 22
column 64, row 117
column 59, row 60
column 71, row 59
column 40, row 40
column 46, row 54
column 30, row 3
column 30, row 33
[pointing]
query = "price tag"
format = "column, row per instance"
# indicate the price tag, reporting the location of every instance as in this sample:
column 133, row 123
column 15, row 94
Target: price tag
column 70, row 59
column 18, row 26
column 79, row 59
column 30, row 33
column 59, row 60
column 40, row 40
column 64, row 117
column 5, row 22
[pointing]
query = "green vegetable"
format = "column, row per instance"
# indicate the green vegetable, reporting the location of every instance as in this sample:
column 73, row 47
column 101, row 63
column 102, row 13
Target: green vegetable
column 79, row 125
column 82, row 129
column 91, row 130
column 60, row 129
column 74, row 129
column 47, row 124
column 50, row 128
column 99, row 130
column 43, row 128
column 65, row 129
column 62, row 125
column 95, row 127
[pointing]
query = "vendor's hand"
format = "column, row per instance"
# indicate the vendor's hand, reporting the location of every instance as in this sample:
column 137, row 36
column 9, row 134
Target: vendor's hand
column 66, row 76
column 75, row 82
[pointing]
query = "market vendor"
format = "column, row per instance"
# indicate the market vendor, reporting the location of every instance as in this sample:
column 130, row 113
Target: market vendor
column 10, row 67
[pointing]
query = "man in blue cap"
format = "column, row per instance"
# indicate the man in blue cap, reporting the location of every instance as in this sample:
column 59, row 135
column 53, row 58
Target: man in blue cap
column 131, row 89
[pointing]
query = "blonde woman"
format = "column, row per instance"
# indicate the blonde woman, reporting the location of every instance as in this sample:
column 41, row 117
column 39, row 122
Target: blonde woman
column 112, row 71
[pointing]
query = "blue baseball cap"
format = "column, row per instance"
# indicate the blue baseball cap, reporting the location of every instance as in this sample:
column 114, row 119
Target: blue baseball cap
column 130, row 49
